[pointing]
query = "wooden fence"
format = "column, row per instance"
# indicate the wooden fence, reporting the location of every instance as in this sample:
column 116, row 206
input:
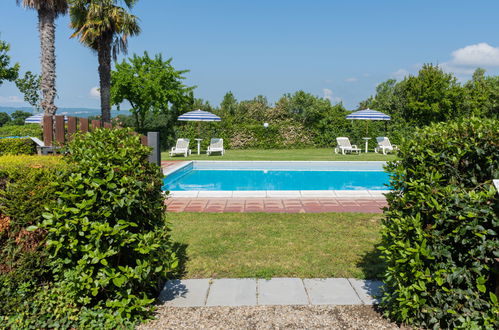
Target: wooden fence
column 57, row 131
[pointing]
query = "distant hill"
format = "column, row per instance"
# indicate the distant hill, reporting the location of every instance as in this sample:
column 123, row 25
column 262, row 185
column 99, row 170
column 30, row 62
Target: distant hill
column 77, row 112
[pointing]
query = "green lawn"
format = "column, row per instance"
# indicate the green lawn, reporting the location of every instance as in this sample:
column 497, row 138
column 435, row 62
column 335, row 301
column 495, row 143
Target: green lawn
column 281, row 154
column 277, row 245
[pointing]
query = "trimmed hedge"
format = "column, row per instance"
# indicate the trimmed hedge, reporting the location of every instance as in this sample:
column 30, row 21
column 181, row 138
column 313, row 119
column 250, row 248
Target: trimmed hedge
column 440, row 232
column 17, row 146
column 25, row 189
column 33, row 130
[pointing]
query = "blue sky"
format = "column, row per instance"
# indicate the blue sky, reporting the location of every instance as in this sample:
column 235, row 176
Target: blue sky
column 335, row 49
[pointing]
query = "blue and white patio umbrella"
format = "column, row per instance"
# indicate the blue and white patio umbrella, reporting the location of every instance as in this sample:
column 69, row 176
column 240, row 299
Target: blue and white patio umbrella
column 35, row 119
column 198, row 115
column 368, row 114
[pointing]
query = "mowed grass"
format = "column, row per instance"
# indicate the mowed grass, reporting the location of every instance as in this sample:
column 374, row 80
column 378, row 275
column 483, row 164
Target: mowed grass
column 235, row 245
column 282, row 154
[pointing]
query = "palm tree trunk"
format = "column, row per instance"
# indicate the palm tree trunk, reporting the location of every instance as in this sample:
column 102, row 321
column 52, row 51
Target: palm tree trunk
column 104, row 54
column 46, row 28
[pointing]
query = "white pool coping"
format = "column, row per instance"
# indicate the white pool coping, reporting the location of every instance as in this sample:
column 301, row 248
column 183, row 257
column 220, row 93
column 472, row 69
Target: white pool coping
column 360, row 194
column 357, row 194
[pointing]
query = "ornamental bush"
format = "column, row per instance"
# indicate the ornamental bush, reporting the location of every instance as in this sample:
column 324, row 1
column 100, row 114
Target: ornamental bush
column 109, row 244
column 17, row 147
column 440, row 232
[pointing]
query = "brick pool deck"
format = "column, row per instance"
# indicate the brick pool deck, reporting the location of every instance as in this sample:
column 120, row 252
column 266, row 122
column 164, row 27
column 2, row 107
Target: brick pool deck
column 273, row 205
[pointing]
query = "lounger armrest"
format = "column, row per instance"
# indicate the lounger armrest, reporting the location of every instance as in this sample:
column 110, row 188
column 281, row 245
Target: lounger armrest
column 354, row 146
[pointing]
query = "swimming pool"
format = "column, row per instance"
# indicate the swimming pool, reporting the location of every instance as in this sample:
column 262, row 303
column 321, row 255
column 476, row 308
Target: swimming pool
column 276, row 176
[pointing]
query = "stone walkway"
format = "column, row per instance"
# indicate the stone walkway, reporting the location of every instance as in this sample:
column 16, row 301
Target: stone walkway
column 275, row 205
column 276, row 291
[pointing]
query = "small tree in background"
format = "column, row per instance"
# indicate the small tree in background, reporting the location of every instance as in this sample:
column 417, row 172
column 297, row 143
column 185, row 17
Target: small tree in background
column 29, row 85
column 151, row 86
column 7, row 72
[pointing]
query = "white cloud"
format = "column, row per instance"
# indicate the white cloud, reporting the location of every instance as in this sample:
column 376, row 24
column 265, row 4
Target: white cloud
column 400, row 74
column 481, row 54
column 350, row 80
column 328, row 94
column 94, row 92
column 11, row 99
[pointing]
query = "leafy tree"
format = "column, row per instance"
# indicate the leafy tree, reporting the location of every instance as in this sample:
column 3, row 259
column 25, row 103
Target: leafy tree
column 4, row 118
column 48, row 10
column 481, row 95
column 151, row 86
column 198, row 103
column 104, row 27
column 29, row 85
column 229, row 104
column 7, row 72
column 19, row 116
column 431, row 96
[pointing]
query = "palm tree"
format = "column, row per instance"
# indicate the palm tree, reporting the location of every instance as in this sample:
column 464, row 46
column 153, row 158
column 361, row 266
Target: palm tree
column 48, row 11
column 104, row 27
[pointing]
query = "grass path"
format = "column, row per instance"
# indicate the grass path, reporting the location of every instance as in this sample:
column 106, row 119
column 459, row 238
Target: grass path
column 277, row 245
column 281, row 154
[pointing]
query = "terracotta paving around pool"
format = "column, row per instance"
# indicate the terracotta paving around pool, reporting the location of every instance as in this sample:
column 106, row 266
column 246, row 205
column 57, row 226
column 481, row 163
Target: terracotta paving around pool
column 275, row 205
column 272, row 205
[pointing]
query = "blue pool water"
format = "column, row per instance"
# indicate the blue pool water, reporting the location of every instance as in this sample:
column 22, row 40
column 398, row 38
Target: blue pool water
column 194, row 179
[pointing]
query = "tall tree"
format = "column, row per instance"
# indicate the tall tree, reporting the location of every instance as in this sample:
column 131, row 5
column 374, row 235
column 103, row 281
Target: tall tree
column 48, row 11
column 104, row 27
column 7, row 71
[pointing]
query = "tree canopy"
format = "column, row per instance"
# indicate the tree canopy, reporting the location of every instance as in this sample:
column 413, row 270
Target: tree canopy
column 150, row 85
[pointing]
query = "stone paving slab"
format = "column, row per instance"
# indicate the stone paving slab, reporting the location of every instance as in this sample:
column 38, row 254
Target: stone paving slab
column 232, row 292
column 282, row 291
column 276, row 291
column 368, row 291
column 185, row 293
column 331, row 291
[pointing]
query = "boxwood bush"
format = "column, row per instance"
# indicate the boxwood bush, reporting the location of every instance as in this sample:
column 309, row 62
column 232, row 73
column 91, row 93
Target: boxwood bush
column 17, row 146
column 440, row 232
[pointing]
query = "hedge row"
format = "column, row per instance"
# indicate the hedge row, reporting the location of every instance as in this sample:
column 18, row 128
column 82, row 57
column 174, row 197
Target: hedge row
column 440, row 234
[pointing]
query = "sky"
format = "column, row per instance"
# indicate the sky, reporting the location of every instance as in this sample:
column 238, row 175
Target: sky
column 338, row 50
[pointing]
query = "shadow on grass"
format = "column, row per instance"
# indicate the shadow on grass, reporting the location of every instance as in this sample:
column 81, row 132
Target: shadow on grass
column 372, row 265
column 180, row 250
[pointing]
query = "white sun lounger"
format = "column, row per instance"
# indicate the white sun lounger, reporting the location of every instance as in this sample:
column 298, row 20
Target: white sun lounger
column 344, row 146
column 216, row 145
column 41, row 148
column 182, row 147
column 384, row 145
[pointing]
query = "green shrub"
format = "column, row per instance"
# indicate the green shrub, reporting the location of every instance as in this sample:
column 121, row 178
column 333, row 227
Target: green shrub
column 17, row 147
column 33, row 130
column 109, row 244
column 440, row 234
column 25, row 189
